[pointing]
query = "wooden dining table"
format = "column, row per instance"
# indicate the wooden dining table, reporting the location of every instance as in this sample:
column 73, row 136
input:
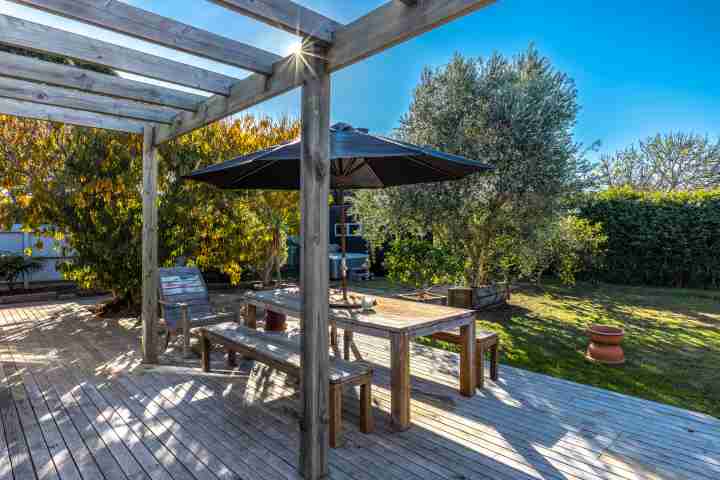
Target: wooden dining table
column 397, row 320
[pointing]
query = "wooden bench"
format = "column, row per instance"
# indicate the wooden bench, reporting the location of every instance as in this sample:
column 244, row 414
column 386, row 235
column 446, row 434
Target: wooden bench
column 485, row 342
column 279, row 352
column 185, row 304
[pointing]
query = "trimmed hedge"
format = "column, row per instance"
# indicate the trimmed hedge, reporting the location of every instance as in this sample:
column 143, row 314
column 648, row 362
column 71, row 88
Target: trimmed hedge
column 658, row 238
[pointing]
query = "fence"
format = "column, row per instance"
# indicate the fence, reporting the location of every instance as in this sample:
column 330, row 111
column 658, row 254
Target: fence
column 45, row 250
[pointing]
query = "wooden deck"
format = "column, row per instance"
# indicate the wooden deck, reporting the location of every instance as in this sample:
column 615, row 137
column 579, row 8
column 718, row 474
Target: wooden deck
column 77, row 404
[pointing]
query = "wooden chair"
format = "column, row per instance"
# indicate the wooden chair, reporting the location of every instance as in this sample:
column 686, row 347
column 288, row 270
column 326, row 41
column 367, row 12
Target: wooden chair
column 185, row 304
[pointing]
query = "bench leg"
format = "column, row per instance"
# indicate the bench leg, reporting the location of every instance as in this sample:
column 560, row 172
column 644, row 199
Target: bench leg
column 467, row 359
column 231, row 359
column 494, row 365
column 366, row 417
column 335, row 410
column 480, row 365
column 205, row 352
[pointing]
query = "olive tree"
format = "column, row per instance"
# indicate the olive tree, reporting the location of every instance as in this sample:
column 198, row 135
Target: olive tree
column 514, row 114
column 670, row 162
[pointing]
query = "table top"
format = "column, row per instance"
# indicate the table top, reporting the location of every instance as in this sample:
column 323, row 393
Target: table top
column 390, row 315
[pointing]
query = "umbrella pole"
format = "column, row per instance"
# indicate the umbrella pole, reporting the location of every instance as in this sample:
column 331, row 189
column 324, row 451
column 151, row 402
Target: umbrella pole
column 343, row 245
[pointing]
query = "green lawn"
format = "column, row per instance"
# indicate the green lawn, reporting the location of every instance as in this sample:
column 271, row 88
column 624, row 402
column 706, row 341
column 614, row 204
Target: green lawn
column 672, row 342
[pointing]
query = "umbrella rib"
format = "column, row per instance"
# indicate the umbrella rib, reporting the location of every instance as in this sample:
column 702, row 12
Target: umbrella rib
column 433, row 167
column 253, row 172
column 357, row 166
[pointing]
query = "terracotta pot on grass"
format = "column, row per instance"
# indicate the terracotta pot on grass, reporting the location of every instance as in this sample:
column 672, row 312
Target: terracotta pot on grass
column 605, row 345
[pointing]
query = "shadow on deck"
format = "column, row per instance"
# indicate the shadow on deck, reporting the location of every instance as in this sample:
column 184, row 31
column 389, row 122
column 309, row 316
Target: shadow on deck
column 77, row 403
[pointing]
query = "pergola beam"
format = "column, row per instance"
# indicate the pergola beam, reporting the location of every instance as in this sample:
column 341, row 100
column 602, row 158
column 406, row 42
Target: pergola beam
column 391, row 24
column 37, row 37
column 286, row 15
column 77, row 100
column 126, row 19
column 379, row 30
column 245, row 93
column 49, row 113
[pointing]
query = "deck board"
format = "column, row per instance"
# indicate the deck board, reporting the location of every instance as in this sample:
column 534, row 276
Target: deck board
column 76, row 403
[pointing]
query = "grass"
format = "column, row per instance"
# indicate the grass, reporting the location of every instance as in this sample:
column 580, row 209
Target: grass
column 672, row 340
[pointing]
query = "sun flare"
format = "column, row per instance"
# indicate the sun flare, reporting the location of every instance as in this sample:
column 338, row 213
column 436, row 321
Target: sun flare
column 295, row 48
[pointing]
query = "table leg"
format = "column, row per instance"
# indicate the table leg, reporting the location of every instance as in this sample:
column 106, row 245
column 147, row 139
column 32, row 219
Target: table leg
column 231, row 359
column 347, row 342
column 334, row 341
column 467, row 359
column 400, row 381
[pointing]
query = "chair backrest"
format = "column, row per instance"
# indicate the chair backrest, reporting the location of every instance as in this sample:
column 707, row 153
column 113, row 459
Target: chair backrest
column 183, row 285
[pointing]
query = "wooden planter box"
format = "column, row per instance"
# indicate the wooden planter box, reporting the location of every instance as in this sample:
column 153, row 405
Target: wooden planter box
column 425, row 297
column 479, row 298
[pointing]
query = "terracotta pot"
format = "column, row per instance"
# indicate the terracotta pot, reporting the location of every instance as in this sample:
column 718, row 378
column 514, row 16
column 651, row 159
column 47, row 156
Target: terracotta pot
column 275, row 322
column 605, row 345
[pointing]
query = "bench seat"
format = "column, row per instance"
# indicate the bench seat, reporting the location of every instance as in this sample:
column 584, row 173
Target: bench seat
column 284, row 354
column 484, row 342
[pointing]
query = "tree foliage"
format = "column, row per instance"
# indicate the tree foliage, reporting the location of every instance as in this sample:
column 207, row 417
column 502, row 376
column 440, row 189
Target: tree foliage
column 658, row 238
column 566, row 246
column 515, row 114
column 87, row 184
column 671, row 162
column 420, row 263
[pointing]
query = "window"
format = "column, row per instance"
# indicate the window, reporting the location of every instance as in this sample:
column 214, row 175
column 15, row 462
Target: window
column 353, row 229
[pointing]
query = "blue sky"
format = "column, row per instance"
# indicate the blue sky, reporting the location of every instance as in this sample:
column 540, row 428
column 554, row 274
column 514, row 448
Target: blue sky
column 640, row 67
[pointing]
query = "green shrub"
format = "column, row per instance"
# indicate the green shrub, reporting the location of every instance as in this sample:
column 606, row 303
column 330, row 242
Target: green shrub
column 658, row 238
column 13, row 266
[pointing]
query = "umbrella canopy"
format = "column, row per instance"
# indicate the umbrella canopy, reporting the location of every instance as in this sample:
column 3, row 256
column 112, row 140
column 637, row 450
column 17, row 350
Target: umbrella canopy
column 358, row 160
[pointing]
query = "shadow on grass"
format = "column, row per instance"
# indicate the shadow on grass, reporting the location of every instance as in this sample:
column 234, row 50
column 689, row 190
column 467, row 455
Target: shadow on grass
column 672, row 343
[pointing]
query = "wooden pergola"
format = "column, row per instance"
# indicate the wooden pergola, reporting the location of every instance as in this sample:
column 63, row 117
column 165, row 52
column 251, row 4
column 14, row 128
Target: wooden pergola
column 42, row 90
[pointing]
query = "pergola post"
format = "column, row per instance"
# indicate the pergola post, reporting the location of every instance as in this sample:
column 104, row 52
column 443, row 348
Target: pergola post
column 314, row 271
column 149, row 248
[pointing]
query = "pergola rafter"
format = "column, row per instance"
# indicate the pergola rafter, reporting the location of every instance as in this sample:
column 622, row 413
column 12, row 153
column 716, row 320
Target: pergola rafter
column 70, row 116
column 78, row 100
column 286, row 15
column 43, row 90
column 44, row 39
column 136, row 22
column 27, row 68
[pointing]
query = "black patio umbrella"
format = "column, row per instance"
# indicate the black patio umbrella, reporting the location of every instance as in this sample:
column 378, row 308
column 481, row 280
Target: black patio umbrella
column 358, row 160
